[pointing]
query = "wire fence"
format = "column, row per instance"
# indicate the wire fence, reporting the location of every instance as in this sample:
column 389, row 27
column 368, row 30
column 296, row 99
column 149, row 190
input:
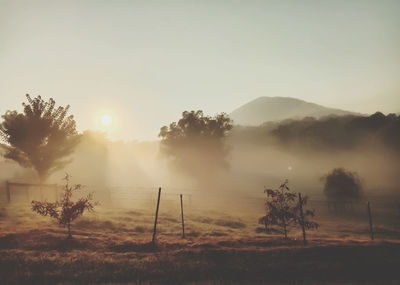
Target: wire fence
column 385, row 209
column 243, row 200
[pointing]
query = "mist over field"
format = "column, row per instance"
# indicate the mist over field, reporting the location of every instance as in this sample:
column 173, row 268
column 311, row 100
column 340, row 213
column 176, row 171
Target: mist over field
column 303, row 151
column 217, row 181
column 200, row 142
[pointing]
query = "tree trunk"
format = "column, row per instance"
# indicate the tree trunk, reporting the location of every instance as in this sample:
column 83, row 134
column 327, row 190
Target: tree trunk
column 284, row 227
column 69, row 231
column 42, row 179
column 266, row 224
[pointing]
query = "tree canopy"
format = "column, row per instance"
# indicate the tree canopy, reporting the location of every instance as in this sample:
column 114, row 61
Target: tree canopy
column 194, row 125
column 41, row 137
column 195, row 144
column 340, row 132
column 342, row 186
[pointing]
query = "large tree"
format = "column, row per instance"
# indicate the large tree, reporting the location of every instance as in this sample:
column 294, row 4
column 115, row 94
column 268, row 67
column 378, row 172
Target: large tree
column 195, row 144
column 41, row 137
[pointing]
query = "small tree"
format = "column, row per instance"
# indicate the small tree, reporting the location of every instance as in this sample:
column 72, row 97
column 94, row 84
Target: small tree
column 283, row 209
column 41, row 137
column 65, row 211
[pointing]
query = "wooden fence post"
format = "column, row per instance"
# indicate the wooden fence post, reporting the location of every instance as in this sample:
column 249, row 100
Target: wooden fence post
column 8, row 191
column 183, row 221
column 155, row 220
column 266, row 224
column 371, row 230
column 302, row 219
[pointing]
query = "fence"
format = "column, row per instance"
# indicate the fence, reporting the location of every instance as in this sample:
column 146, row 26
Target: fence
column 382, row 210
column 27, row 187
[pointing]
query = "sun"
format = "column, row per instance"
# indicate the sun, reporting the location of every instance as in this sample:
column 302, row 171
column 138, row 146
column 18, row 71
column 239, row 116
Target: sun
column 106, row 120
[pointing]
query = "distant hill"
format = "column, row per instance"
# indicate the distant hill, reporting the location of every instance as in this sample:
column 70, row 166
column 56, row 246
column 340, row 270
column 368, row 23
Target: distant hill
column 265, row 109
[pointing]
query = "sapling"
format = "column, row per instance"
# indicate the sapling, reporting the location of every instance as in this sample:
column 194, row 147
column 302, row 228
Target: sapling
column 65, row 211
column 283, row 209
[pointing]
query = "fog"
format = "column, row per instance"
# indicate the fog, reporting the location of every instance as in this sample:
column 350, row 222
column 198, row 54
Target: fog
column 255, row 157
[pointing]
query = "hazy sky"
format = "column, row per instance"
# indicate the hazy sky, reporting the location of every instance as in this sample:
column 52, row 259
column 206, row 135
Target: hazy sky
column 147, row 61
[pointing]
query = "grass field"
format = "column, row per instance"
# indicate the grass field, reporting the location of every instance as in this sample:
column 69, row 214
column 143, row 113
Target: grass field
column 113, row 245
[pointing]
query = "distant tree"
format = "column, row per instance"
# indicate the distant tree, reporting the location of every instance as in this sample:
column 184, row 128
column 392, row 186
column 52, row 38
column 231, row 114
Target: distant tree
column 339, row 132
column 65, row 211
column 283, row 209
column 41, row 137
column 342, row 186
column 195, row 143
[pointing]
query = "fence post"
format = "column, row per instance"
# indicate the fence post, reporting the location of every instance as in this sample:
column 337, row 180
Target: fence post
column 8, row 191
column 302, row 219
column 266, row 224
column 183, row 221
column 155, row 220
column 370, row 221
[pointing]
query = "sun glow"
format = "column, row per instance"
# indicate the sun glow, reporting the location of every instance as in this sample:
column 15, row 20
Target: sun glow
column 106, row 120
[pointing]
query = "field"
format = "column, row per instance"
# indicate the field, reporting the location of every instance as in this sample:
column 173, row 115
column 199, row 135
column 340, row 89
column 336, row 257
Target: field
column 222, row 246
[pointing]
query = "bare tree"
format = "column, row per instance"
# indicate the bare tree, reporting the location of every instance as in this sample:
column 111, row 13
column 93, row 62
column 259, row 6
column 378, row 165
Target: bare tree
column 283, row 209
column 65, row 211
column 41, row 137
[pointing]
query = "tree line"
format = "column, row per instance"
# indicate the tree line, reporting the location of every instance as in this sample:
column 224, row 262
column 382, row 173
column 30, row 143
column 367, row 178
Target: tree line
column 44, row 136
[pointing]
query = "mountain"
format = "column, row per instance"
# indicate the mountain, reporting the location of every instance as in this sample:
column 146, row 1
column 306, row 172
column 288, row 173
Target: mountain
column 265, row 109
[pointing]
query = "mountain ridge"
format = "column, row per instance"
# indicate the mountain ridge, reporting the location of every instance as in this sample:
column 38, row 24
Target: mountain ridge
column 264, row 109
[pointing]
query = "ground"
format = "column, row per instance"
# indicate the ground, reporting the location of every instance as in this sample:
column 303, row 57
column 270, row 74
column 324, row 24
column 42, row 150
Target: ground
column 113, row 245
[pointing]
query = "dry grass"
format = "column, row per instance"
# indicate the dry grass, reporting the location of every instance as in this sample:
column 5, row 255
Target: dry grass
column 113, row 246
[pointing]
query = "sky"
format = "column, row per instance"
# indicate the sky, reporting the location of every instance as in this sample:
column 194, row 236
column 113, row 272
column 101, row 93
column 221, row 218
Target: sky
column 144, row 62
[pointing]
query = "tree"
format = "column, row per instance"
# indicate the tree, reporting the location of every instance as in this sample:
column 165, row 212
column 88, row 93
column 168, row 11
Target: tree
column 195, row 144
column 65, row 211
column 283, row 209
column 339, row 132
column 41, row 137
column 342, row 186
